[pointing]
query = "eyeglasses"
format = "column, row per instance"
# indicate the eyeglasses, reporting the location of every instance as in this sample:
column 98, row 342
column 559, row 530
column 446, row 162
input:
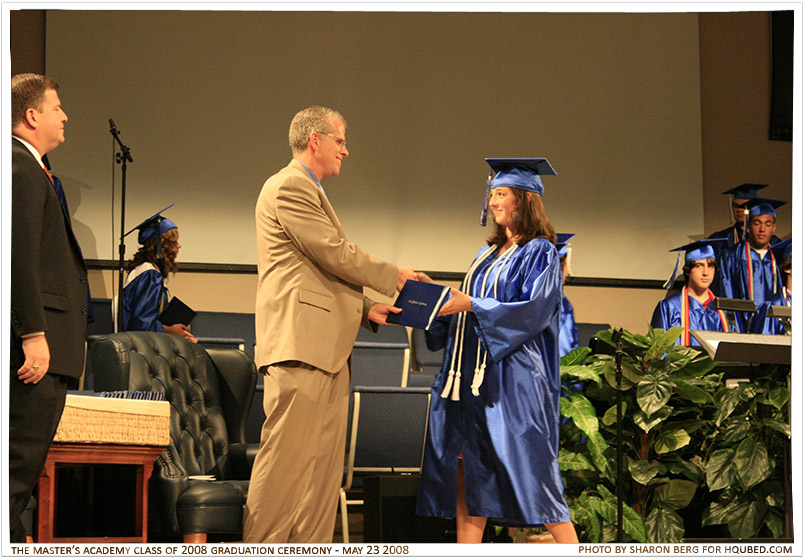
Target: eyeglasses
column 340, row 142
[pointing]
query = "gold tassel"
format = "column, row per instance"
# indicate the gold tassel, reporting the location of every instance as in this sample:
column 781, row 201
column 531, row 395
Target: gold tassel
column 456, row 387
column 448, row 385
column 477, row 381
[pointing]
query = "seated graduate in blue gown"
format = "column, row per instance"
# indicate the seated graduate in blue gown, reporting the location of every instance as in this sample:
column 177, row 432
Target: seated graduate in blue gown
column 568, row 331
column 761, row 323
column 492, row 442
column 737, row 197
column 749, row 270
column 144, row 293
column 692, row 308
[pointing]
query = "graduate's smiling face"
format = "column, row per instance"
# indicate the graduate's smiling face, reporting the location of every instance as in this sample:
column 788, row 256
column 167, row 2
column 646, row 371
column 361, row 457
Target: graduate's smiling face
column 502, row 203
column 702, row 274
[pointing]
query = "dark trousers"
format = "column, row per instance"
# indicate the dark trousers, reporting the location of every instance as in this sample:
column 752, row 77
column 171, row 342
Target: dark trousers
column 34, row 414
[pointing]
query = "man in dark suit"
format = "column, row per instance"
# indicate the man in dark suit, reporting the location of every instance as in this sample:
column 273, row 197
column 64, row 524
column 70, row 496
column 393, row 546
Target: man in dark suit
column 48, row 291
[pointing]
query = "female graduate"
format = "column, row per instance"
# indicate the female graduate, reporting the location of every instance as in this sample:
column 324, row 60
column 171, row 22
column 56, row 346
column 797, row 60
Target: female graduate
column 692, row 308
column 492, row 444
column 144, row 291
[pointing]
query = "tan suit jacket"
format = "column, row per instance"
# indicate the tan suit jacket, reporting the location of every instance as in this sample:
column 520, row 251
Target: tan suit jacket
column 310, row 300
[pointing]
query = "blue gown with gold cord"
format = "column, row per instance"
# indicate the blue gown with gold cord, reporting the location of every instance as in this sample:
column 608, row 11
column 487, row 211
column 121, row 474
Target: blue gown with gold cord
column 705, row 318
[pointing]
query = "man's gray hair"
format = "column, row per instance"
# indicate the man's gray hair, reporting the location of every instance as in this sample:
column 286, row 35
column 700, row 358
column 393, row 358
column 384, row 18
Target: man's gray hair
column 309, row 120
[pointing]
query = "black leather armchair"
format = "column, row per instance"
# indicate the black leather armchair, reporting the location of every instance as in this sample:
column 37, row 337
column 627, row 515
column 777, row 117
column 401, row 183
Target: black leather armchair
column 210, row 392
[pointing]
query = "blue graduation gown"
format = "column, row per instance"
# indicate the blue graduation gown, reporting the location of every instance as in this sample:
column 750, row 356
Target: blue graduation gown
column 733, row 278
column 144, row 298
column 568, row 333
column 761, row 323
column 509, row 433
column 733, row 233
column 668, row 314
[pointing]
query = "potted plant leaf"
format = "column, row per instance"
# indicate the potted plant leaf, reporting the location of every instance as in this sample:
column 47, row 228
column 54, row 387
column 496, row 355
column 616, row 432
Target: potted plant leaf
column 686, row 439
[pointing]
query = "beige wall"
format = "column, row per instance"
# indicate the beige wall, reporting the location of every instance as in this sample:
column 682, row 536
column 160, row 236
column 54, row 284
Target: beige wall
column 627, row 308
column 735, row 116
column 735, row 103
column 205, row 98
column 630, row 309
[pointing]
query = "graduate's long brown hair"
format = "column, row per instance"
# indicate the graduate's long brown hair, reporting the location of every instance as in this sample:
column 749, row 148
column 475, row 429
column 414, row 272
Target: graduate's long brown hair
column 149, row 253
column 529, row 220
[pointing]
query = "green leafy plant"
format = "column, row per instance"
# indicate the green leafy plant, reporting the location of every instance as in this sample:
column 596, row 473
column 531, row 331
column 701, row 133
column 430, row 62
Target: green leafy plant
column 689, row 443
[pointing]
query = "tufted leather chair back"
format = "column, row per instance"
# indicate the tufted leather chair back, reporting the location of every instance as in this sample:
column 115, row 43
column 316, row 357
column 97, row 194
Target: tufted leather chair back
column 210, row 393
column 184, row 372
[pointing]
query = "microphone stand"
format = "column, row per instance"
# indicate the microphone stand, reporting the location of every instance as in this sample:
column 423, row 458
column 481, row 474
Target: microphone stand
column 121, row 158
column 618, row 375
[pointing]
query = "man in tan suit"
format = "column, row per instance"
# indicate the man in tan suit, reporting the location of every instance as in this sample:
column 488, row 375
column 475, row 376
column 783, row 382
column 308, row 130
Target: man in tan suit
column 310, row 305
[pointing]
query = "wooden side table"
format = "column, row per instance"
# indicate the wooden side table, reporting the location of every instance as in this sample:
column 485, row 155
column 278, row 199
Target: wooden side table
column 94, row 454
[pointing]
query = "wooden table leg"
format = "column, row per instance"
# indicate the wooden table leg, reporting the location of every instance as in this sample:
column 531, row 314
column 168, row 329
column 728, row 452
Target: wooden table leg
column 139, row 520
column 147, row 471
column 95, row 454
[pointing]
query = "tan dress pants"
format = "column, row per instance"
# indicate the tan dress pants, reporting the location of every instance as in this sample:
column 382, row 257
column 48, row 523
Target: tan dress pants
column 293, row 493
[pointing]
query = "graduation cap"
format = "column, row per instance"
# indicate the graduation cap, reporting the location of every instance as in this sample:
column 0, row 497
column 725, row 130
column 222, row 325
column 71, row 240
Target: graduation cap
column 153, row 227
column 783, row 249
column 762, row 206
column 522, row 173
column 745, row 191
column 562, row 240
column 564, row 249
column 694, row 251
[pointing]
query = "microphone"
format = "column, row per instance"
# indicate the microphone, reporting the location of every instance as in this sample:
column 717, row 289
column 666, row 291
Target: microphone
column 126, row 154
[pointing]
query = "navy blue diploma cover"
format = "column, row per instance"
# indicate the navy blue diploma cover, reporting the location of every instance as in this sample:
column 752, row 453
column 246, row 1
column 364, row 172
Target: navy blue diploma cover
column 420, row 303
column 176, row 312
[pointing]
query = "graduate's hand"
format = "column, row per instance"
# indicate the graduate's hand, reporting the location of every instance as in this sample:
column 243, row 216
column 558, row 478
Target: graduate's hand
column 37, row 359
column 459, row 302
column 404, row 274
column 423, row 277
column 180, row 330
column 378, row 313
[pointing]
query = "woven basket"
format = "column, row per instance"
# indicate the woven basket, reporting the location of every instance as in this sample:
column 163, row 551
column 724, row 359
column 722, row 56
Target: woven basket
column 99, row 420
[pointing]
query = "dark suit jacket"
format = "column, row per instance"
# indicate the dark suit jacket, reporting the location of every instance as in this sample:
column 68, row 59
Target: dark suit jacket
column 48, row 276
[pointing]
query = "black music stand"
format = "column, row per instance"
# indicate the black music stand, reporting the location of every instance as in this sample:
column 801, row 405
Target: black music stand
column 753, row 348
column 784, row 314
column 732, row 306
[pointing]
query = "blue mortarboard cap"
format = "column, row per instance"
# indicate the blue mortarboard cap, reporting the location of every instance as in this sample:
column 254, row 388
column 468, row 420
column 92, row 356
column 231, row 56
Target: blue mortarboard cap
column 522, row 173
column 153, row 227
column 694, row 251
column 762, row 206
column 561, row 243
column 745, row 191
column 700, row 249
column 783, row 249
